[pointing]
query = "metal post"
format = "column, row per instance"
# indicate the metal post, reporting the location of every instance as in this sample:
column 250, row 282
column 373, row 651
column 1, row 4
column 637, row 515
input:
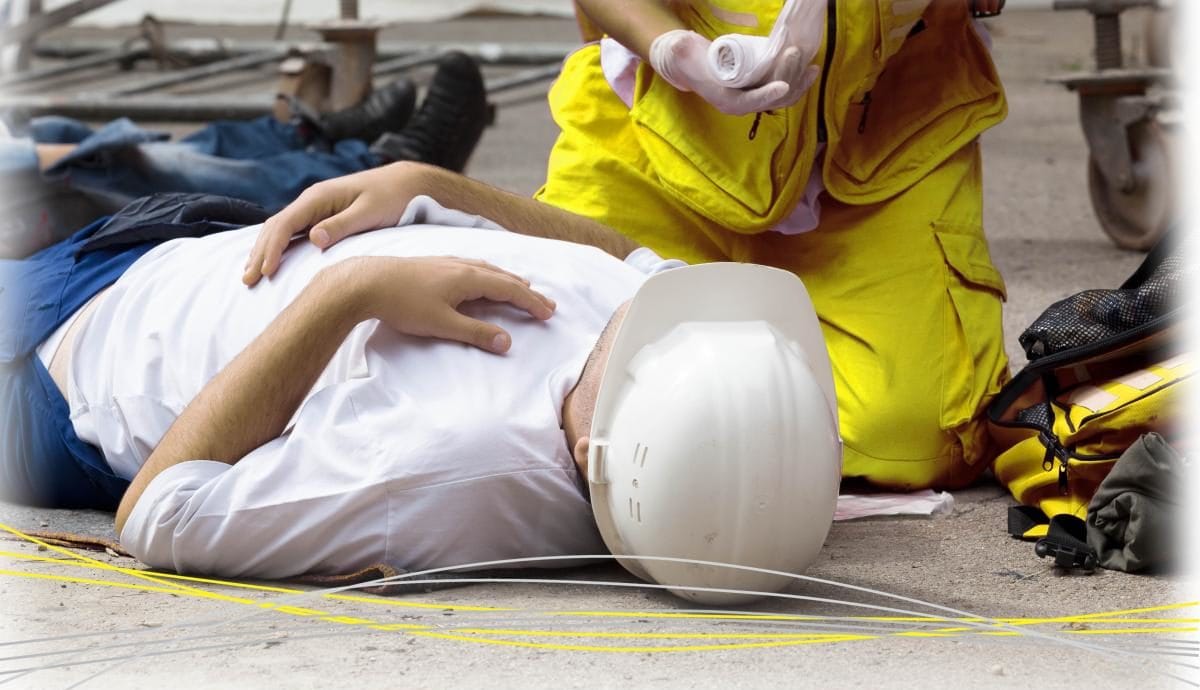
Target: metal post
column 48, row 20
column 529, row 76
column 150, row 109
column 407, row 62
column 491, row 53
column 85, row 62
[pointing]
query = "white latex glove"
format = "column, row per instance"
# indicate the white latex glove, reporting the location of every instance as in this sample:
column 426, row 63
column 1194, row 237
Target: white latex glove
column 681, row 57
column 741, row 61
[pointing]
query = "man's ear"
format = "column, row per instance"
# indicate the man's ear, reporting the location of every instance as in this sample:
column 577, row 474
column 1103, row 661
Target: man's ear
column 580, row 453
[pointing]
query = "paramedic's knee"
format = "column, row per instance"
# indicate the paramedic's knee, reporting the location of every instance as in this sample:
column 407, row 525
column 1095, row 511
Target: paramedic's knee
column 899, row 443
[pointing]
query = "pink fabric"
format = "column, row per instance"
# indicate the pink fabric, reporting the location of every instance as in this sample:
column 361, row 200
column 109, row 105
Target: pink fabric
column 619, row 65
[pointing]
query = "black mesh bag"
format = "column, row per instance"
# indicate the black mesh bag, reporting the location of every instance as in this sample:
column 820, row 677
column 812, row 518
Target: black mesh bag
column 1099, row 316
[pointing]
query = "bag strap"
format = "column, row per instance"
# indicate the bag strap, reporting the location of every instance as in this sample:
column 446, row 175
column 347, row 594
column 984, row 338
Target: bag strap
column 1066, row 542
column 1022, row 519
column 1162, row 249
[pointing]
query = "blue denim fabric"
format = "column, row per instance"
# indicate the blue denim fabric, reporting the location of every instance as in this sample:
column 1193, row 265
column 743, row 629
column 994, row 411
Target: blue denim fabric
column 262, row 161
column 55, row 129
column 17, row 156
column 42, row 461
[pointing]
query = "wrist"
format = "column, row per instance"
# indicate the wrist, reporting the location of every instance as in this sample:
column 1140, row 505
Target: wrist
column 345, row 292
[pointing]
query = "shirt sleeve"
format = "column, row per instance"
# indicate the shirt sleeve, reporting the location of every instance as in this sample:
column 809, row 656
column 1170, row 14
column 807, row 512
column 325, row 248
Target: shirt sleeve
column 645, row 260
column 424, row 210
column 291, row 506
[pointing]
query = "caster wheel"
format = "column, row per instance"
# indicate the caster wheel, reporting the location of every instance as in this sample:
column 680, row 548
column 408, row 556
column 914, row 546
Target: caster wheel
column 1136, row 220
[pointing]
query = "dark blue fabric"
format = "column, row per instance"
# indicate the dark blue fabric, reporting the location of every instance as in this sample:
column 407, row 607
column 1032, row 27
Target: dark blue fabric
column 42, row 461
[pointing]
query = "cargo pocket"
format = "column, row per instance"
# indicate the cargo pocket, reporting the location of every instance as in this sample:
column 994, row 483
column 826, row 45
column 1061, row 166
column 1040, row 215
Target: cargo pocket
column 974, row 364
column 730, row 169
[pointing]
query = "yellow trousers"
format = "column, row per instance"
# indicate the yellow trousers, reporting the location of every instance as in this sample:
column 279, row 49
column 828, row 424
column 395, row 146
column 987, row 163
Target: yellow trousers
column 905, row 289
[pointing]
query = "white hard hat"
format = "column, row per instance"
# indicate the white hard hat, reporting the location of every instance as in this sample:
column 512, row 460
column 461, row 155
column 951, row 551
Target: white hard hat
column 715, row 434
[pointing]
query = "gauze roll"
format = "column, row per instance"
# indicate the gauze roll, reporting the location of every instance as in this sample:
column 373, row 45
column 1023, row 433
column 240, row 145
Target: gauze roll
column 739, row 61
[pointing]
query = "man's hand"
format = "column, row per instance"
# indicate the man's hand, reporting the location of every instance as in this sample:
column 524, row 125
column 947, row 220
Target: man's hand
column 421, row 296
column 335, row 209
column 330, row 211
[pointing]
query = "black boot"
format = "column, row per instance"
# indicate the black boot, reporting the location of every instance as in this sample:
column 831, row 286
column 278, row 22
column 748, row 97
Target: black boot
column 386, row 110
column 450, row 121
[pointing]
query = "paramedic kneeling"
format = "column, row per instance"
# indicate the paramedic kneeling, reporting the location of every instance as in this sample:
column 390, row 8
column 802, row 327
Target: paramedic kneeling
column 855, row 165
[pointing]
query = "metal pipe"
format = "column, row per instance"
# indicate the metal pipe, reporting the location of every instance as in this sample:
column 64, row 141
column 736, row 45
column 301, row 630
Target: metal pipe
column 490, row 53
column 148, row 109
column 48, row 20
column 202, row 71
column 80, row 63
column 529, row 76
column 406, row 62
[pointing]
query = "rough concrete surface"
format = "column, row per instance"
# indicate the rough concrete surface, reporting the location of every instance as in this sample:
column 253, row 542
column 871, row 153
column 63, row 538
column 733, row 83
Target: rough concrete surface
column 61, row 616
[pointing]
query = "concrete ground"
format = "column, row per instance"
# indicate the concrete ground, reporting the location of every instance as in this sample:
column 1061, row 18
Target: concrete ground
column 71, row 620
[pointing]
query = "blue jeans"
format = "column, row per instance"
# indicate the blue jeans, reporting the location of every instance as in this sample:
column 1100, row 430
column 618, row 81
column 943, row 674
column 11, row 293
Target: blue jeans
column 42, row 461
column 261, row 161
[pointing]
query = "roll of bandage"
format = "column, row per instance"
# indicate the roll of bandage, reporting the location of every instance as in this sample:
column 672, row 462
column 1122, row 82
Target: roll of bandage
column 741, row 61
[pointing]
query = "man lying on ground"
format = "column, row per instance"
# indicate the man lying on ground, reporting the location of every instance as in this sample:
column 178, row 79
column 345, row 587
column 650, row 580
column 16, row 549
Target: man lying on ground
column 326, row 420
column 293, row 427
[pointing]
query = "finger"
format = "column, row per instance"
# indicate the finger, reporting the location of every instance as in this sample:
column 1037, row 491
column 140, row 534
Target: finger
column 314, row 204
column 767, row 97
column 788, row 66
column 481, row 334
column 355, row 218
column 479, row 263
column 809, row 78
column 504, row 289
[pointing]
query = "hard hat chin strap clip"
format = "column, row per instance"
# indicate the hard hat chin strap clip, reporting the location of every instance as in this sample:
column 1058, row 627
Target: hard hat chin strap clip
column 597, row 457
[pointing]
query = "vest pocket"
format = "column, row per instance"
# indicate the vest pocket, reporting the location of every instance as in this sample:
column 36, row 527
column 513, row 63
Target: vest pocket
column 709, row 160
column 938, row 92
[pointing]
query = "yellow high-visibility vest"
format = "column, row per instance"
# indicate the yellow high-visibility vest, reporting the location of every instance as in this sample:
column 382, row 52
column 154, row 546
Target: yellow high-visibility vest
column 904, row 84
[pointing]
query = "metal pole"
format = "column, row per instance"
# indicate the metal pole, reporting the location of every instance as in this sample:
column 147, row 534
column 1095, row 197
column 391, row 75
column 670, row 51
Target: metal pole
column 85, row 62
column 489, row 53
column 529, row 76
column 150, row 109
column 406, row 62
column 202, row 71
column 48, row 20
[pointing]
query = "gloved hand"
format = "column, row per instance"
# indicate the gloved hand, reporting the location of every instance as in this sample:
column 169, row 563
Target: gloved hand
column 681, row 57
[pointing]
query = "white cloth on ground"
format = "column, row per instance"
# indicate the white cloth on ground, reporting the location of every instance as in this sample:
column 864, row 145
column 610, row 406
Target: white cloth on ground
column 409, row 451
column 927, row 502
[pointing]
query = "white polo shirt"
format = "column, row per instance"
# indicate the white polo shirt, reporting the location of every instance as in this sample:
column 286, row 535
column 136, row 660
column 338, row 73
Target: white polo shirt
column 414, row 452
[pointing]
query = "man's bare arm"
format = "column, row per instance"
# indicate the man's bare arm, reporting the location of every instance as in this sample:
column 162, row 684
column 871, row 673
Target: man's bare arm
column 250, row 402
column 335, row 209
